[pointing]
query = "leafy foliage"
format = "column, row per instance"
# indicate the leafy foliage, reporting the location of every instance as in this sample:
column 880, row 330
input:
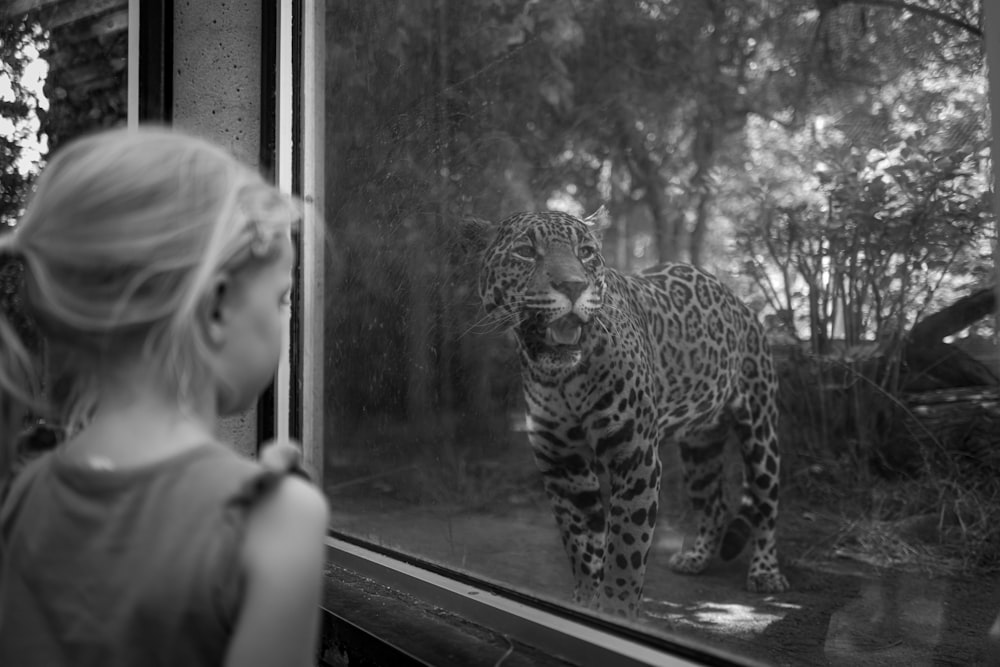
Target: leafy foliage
column 20, row 41
column 839, row 143
column 894, row 218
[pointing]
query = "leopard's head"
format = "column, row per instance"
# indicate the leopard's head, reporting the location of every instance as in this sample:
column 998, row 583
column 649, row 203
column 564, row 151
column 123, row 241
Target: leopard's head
column 542, row 277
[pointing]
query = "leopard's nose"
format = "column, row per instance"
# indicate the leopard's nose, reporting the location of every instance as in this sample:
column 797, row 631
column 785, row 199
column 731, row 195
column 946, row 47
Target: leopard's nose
column 571, row 288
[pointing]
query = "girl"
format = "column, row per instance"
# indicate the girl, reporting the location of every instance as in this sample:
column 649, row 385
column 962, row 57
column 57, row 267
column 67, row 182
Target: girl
column 158, row 269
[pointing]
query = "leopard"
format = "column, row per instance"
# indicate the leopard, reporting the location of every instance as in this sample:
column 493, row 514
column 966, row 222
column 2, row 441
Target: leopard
column 615, row 367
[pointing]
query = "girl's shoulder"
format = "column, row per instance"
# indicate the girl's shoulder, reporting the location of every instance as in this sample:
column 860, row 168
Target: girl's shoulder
column 242, row 485
column 291, row 497
column 287, row 514
column 286, row 528
column 277, row 477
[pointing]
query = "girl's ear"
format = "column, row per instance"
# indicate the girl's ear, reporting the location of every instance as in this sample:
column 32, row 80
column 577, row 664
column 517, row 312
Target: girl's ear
column 212, row 314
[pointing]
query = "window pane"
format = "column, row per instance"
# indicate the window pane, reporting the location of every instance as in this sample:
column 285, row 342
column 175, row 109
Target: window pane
column 826, row 163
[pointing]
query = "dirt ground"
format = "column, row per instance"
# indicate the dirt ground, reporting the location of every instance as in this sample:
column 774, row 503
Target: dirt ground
column 840, row 611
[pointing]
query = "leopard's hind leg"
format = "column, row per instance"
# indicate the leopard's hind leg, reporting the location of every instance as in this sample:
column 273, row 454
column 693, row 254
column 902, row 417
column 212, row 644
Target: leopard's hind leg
column 702, row 458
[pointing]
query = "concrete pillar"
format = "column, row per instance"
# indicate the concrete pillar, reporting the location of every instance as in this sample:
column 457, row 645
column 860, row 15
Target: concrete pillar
column 217, row 95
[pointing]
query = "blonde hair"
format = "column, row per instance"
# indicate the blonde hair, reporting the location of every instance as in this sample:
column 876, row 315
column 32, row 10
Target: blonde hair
column 121, row 242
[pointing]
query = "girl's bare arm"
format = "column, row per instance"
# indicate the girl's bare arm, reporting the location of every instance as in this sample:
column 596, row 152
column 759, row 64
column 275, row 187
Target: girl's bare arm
column 283, row 557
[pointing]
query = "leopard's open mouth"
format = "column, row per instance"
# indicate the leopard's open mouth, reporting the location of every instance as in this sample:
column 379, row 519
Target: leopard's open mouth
column 562, row 334
column 564, row 331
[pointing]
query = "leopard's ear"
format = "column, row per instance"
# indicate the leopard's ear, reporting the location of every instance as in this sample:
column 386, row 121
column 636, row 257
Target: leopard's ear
column 598, row 222
column 474, row 235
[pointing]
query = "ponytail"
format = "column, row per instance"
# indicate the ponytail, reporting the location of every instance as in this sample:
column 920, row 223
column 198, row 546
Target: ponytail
column 19, row 375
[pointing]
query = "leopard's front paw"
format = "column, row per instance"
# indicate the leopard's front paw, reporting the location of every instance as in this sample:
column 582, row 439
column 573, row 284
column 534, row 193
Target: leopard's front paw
column 767, row 582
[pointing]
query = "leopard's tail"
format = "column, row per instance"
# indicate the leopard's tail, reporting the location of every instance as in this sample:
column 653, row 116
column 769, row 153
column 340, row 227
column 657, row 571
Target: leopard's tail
column 738, row 532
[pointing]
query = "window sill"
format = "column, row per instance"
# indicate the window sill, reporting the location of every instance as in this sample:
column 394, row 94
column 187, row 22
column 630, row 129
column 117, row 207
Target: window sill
column 382, row 611
column 368, row 623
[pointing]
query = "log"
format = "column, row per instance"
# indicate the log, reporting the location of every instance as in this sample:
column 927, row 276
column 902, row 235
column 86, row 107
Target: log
column 954, row 318
column 930, row 363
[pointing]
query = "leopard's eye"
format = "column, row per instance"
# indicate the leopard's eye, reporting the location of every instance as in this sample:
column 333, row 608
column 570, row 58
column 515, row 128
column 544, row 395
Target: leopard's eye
column 524, row 251
column 587, row 252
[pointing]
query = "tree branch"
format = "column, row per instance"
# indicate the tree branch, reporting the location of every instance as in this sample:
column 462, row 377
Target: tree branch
column 917, row 9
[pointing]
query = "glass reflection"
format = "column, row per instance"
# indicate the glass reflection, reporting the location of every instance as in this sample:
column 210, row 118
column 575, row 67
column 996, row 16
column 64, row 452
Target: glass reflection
column 828, row 162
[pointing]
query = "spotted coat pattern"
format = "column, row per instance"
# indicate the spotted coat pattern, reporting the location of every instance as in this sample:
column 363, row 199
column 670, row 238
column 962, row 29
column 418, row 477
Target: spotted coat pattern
column 613, row 366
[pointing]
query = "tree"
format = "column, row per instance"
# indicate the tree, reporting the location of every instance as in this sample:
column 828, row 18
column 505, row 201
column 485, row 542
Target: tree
column 82, row 48
column 896, row 219
column 20, row 42
column 838, row 140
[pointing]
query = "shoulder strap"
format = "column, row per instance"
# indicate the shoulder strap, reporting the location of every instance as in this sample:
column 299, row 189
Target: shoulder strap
column 277, row 461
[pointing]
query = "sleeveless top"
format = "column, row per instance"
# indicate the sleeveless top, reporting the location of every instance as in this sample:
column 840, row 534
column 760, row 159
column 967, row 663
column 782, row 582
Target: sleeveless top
column 115, row 568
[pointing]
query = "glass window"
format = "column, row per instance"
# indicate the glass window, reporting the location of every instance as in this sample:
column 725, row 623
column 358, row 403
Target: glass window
column 826, row 163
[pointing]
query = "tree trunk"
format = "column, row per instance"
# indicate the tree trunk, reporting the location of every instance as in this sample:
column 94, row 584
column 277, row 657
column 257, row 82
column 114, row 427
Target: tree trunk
column 959, row 315
column 697, row 241
column 646, row 174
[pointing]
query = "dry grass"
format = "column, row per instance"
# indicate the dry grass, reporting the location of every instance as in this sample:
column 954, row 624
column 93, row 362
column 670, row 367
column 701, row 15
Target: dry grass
column 889, row 544
column 911, row 493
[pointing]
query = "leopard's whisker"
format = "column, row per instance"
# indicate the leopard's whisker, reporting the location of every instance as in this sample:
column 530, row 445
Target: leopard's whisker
column 491, row 323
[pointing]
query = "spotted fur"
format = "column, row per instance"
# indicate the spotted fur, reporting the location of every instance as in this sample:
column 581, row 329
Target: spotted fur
column 612, row 367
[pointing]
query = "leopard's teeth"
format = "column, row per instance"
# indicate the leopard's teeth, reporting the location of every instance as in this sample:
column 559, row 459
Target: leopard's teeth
column 562, row 336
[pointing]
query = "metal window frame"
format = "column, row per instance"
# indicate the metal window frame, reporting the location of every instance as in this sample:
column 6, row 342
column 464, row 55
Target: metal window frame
column 150, row 59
